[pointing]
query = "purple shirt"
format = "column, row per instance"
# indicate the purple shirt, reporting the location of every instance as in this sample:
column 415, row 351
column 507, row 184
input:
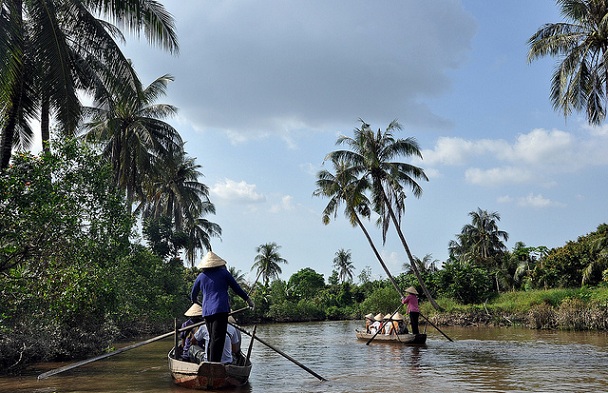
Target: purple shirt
column 412, row 303
column 214, row 283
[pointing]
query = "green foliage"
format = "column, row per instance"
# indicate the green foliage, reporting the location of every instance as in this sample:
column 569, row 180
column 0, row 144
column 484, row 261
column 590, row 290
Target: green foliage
column 305, row 284
column 465, row 283
column 383, row 300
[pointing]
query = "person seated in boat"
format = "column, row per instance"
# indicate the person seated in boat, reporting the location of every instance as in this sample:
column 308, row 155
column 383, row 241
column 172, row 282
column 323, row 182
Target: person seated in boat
column 401, row 326
column 231, row 345
column 369, row 319
column 232, row 321
column 377, row 325
column 194, row 314
column 387, row 328
column 412, row 307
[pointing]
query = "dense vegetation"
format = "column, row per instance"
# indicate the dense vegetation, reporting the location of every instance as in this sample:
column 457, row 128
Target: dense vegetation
column 92, row 231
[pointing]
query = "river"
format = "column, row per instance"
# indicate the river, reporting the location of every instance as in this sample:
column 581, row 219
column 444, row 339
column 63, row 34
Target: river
column 478, row 360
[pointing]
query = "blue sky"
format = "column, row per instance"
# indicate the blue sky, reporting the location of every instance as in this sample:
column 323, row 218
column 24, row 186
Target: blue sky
column 264, row 88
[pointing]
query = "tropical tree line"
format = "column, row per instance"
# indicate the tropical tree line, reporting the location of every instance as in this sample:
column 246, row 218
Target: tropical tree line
column 76, row 270
column 467, row 277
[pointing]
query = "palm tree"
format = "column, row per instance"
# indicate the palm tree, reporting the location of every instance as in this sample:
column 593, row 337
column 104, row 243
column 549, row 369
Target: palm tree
column 199, row 232
column 345, row 187
column 425, row 265
column 579, row 81
column 267, row 262
column 344, row 265
column 482, row 238
column 51, row 51
column 371, row 157
column 131, row 134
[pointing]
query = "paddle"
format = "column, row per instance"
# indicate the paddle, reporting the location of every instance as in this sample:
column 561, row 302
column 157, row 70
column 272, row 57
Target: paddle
column 381, row 326
column 123, row 349
column 286, row 356
column 432, row 324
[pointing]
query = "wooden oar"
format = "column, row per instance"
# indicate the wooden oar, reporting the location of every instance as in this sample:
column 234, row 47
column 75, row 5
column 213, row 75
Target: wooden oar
column 432, row 324
column 123, row 349
column 382, row 326
column 286, row 356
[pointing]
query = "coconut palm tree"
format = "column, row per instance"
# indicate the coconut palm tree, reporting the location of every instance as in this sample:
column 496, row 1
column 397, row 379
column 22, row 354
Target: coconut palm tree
column 345, row 187
column 425, row 265
column 579, row 81
column 55, row 48
column 267, row 262
column 371, row 156
column 344, row 265
column 130, row 131
column 482, row 238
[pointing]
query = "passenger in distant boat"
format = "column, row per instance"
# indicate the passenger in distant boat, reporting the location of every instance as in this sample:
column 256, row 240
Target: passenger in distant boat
column 412, row 307
column 388, row 325
column 377, row 325
column 195, row 315
column 369, row 319
column 231, row 345
column 401, row 326
column 213, row 283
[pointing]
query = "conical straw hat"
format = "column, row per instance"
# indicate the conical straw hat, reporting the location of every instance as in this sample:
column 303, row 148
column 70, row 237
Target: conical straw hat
column 211, row 260
column 369, row 316
column 398, row 317
column 194, row 311
column 378, row 317
column 387, row 316
column 412, row 290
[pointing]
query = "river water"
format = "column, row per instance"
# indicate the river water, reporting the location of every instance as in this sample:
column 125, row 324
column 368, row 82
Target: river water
column 478, row 360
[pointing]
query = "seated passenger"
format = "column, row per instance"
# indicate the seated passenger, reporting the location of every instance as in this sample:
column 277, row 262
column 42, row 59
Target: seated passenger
column 231, row 345
column 195, row 314
column 401, row 325
column 377, row 325
column 369, row 319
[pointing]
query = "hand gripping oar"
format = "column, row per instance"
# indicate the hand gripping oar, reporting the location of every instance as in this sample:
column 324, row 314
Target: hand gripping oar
column 123, row 349
column 286, row 356
column 382, row 326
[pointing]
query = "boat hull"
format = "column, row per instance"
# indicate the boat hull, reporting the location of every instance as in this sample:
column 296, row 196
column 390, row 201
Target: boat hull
column 207, row 375
column 408, row 339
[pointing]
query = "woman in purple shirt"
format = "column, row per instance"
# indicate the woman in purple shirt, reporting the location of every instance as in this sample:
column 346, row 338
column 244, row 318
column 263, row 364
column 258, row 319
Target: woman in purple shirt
column 213, row 283
column 412, row 307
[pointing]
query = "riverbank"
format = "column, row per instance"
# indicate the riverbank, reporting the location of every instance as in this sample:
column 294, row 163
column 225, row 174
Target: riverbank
column 565, row 309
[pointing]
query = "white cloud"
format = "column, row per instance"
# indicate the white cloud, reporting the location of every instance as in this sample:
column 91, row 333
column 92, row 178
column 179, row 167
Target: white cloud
column 285, row 204
column 230, row 190
column 498, row 176
column 538, row 201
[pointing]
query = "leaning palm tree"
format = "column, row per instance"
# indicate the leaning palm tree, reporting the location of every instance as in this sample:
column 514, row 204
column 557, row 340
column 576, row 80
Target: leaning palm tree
column 344, row 265
column 579, row 81
column 198, row 233
column 267, row 262
column 132, row 135
column 55, row 49
column 371, row 156
column 345, row 187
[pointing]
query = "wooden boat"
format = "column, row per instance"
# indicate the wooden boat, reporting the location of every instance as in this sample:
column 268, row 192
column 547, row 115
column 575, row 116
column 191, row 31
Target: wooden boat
column 208, row 375
column 408, row 339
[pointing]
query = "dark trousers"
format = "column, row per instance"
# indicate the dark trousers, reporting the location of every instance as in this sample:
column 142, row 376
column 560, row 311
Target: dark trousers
column 217, row 324
column 414, row 321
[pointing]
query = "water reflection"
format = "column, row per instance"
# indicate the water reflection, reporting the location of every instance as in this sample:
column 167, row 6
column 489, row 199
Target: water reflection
column 479, row 359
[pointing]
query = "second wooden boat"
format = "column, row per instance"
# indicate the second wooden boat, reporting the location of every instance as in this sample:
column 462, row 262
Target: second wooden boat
column 411, row 339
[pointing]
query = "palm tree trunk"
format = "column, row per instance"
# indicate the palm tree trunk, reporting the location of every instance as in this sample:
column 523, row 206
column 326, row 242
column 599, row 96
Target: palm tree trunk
column 409, row 255
column 377, row 254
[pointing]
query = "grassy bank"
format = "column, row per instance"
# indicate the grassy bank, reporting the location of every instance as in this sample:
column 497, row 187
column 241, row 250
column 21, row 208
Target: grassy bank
column 567, row 309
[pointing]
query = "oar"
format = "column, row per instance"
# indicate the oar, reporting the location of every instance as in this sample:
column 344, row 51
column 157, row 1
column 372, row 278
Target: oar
column 382, row 326
column 286, row 356
column 432, row 324
column 123, row 349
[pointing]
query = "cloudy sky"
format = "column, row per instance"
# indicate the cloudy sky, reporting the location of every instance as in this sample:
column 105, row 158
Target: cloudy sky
column 264, row 88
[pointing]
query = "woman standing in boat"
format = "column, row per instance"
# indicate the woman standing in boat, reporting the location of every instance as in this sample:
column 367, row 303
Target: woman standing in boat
column 213, row 283
column 412, row 307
